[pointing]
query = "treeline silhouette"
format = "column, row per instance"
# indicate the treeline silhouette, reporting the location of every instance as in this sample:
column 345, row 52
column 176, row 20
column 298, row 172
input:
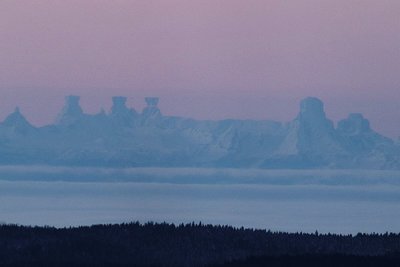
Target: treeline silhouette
column 152, row 244
column 316, row 260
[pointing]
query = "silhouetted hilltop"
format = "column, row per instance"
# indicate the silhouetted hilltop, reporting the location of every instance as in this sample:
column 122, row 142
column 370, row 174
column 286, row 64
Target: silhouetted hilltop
column 188, row 245
column 125, row 137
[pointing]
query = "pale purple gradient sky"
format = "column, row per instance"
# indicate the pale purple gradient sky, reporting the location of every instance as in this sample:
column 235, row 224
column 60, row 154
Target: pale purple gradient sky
column 206, row 59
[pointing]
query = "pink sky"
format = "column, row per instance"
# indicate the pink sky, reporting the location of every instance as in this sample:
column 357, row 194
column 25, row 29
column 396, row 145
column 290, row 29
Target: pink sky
column 206, row 59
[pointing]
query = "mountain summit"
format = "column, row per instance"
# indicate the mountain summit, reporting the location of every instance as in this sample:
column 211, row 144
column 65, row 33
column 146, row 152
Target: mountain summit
column 17, row 122
column 125, row 138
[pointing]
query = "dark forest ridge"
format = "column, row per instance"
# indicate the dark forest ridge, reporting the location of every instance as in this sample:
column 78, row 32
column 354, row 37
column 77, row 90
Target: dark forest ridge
column 125, row 138
column 191, row 245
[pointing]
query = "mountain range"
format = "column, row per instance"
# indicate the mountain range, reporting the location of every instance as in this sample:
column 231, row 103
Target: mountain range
column 124, row 137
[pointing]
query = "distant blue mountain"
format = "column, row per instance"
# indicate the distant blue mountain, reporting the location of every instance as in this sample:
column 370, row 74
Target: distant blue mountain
column 124, row 137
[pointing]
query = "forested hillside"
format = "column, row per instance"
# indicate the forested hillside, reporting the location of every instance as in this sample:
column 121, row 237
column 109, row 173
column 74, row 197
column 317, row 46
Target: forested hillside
column 152, row 244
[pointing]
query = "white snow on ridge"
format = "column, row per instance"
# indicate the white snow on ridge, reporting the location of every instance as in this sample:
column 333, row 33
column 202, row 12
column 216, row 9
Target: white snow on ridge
column 126, row 138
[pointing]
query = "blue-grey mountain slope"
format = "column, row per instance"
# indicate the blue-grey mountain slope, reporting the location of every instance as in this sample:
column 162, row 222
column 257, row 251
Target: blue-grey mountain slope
column 124, row 137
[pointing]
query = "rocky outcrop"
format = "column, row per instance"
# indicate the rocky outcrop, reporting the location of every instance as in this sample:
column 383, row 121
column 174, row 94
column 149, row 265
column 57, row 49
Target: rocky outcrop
column 17, row 123
column 311, row 139
column 71, row 113
column 121, row 114
column 124, row 137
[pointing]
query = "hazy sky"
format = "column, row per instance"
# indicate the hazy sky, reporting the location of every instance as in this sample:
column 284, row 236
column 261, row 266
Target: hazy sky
column 206, row 59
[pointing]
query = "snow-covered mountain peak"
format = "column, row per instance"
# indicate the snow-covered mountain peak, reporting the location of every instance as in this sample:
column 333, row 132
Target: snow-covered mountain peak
column 72, row 106
column 353, row 125
column 311, row 134
column 312, row 109
column 124, row 138
column 120, row 113
column 14, row 118
column 152, row 101
column 312, row 115
column 151, row 111
column 71, row 112
column 18, row 122
column 119, row 106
